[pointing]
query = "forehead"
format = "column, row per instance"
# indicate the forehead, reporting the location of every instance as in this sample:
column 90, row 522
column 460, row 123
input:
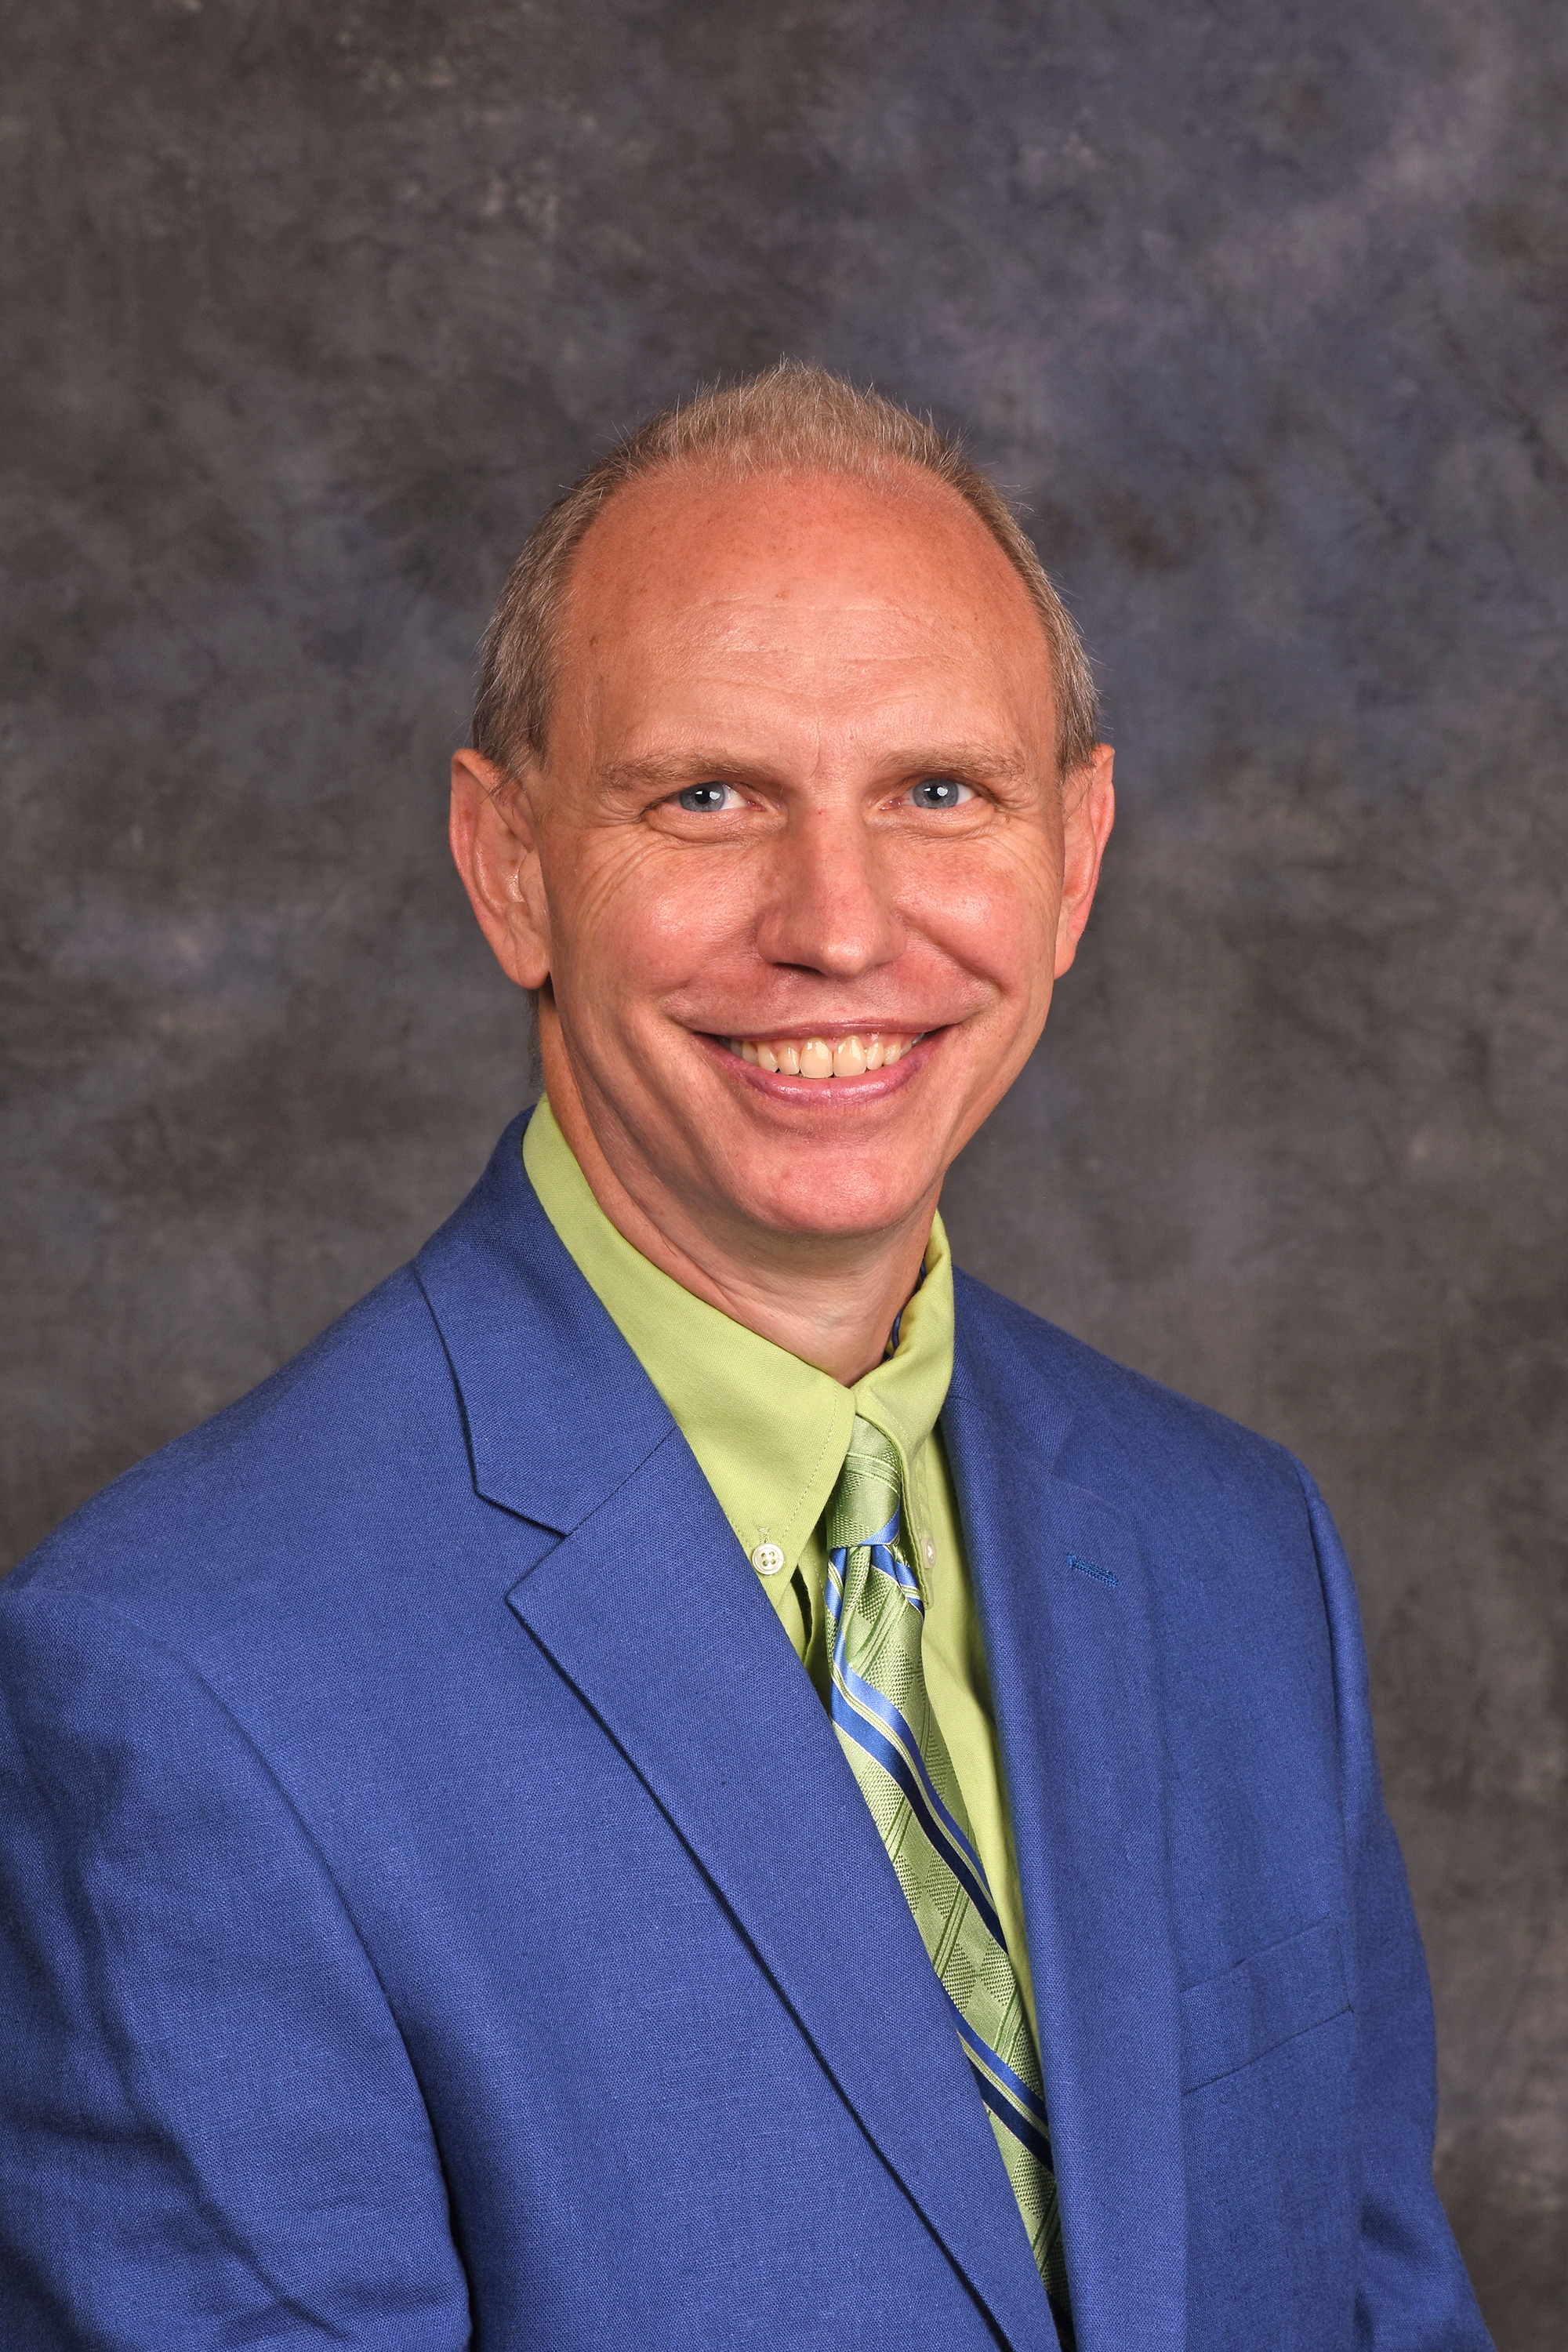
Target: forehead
column 812, row 585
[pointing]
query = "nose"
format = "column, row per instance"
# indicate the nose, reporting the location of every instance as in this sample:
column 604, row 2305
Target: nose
column 830, row 905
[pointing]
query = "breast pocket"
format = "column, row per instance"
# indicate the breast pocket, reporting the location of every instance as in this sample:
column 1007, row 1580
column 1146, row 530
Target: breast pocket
column 1270, row 1997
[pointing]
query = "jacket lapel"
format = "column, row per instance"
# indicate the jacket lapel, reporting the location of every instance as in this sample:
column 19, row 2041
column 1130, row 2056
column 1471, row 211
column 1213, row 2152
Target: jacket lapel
column 1064, row 1608
column 706, row 1700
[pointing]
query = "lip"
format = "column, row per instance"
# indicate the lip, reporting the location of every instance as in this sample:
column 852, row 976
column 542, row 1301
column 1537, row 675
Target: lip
column 820, row 1093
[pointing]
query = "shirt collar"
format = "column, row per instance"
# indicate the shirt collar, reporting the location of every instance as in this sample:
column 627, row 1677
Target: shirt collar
column 769, row 1432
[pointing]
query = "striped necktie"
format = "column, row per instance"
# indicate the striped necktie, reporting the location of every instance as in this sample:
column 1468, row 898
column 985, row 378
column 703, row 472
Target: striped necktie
column 884, row 1722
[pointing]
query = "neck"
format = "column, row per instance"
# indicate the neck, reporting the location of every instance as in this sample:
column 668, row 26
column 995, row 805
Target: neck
column 830, row 1299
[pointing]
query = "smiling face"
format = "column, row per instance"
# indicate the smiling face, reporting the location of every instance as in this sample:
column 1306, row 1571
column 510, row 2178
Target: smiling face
column 800, row 810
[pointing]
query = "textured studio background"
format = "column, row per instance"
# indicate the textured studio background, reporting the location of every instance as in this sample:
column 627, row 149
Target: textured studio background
column 1262, row 310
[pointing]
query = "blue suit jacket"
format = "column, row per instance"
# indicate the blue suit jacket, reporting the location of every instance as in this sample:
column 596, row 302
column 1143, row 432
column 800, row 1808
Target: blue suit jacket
column 436, row 1908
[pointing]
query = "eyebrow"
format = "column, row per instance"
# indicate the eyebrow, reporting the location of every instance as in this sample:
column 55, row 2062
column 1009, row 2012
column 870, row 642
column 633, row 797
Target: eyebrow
column 986, row 761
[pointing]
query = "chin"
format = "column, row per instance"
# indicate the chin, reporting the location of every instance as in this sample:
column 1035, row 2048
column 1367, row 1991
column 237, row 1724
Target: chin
column 833, row 1202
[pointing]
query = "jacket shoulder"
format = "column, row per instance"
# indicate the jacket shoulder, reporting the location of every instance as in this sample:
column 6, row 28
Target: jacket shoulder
column 1107, row 1427
column 275, row 1478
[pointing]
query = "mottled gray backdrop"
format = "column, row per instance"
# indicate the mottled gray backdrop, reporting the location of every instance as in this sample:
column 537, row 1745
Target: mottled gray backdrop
column 1261, row 308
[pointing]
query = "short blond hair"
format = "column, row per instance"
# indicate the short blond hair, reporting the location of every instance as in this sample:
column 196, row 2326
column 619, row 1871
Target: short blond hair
column 794, row 418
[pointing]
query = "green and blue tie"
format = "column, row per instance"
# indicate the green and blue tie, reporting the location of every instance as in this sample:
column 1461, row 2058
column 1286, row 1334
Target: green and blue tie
column 897, row 1752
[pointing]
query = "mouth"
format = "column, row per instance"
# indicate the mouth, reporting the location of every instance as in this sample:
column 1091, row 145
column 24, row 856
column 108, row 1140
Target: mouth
column 821, row 1058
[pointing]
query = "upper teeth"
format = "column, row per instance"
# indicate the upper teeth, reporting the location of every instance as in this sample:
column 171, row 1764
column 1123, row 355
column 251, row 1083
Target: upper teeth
column 844, row 1058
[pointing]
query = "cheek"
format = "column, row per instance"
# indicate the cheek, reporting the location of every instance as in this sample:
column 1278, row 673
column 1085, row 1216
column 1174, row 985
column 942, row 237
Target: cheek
column 638, row 920
column 996, row 918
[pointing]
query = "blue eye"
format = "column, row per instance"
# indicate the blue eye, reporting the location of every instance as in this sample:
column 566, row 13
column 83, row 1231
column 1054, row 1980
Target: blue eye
column 940, row 792
column 703, row 800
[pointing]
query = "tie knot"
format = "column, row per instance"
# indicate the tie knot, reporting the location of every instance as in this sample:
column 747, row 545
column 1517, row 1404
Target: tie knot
column 866, row 1502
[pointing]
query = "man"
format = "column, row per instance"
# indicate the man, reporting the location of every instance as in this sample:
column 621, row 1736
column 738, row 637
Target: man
column 686, row 1776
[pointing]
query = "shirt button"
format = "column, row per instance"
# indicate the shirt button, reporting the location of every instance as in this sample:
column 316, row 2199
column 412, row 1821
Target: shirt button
column 929, row 1549
column 767, row 1560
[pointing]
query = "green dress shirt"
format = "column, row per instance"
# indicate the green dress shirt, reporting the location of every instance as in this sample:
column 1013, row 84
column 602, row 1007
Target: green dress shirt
column 769, row 1433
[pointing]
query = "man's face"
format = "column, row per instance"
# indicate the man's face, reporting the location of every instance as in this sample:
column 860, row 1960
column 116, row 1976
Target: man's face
column 801, row 799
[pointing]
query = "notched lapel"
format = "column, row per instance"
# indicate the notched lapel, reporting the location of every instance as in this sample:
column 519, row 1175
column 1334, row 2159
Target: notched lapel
column 708, row 1704
column 1062, row 1593
column 557, row 1409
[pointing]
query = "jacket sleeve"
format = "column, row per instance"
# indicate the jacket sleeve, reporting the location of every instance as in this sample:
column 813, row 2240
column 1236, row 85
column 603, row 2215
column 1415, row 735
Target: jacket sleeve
column 210, row 2132
column 1412, row 2295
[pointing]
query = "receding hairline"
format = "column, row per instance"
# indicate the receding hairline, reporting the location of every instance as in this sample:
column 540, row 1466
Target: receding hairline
column 795, row 420
column 912, row 488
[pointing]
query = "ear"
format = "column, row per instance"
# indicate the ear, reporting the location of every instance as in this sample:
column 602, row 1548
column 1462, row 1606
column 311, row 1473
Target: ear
column 1089, row 811
column 492, row 835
